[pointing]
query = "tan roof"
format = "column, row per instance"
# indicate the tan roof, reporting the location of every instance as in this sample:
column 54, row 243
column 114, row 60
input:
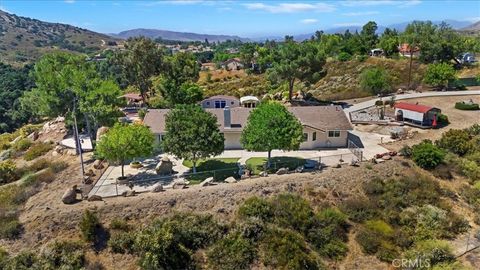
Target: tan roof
column 318, row 117
column 220, row 97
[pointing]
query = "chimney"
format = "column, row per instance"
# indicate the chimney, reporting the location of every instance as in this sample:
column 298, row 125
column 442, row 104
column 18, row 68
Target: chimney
column 227, row 118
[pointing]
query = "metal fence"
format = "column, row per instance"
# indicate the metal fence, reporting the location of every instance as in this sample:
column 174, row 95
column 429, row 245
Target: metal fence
column 236, row 171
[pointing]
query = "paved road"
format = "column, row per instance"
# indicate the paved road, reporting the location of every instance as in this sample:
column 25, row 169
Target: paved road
column 370, row 103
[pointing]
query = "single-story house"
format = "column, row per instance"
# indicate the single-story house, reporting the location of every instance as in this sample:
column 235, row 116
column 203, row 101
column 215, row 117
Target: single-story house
column 233, row 64
column 133, row 99
column 208, row 66
column 323, row 126
column 249, row 101
column 416, row 114
column 405, row 50
column 377, row 52
column 219, row 102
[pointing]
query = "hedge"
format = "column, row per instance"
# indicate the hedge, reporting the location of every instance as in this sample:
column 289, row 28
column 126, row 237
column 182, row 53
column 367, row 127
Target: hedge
column 466, row 106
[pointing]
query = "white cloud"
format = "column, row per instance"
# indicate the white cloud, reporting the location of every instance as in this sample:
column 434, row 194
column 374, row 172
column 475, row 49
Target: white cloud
column 365, row 13
column 291, row 7
column 309, row 21
column 348, row 24
column 69, row 1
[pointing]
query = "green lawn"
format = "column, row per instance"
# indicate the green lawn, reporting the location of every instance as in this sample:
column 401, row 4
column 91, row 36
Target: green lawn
column 218, row 168
column 256, row 164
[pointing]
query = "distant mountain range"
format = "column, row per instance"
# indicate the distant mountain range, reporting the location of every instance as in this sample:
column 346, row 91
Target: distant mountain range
column 172, row 35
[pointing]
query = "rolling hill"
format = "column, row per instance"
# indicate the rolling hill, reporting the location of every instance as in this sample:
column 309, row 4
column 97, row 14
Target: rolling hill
column 172, row 35
column 22, row 39
column 472, row 29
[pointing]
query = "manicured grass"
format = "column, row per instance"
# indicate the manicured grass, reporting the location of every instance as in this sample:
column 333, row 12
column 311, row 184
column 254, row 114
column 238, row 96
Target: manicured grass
column 256, row 164
column 218, row 168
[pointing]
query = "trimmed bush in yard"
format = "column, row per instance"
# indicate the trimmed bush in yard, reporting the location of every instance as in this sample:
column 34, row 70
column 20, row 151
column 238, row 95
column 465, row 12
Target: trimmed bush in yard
column 467, row 106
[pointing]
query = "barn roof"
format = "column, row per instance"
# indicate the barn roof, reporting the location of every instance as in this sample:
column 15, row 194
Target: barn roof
column 413, row 107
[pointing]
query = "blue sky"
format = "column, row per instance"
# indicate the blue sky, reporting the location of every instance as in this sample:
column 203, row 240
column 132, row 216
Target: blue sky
column 243, row 18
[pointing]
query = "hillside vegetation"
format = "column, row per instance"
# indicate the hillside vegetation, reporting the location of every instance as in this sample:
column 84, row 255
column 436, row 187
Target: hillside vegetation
column 23, row 40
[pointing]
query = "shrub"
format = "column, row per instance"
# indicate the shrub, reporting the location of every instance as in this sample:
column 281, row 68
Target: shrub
column 433, row 251
column 359, row 210
column 37, row 150
column 89, row 225
column 292, row 211
column 285, row 249
column 122, row 242
column 442, row 120
column 427, row 155
column 456, row 141
column 380, row 227
column 470, row 169
column 24, row 260
column 232, row 252
column 3, row 258
column 63, row 255
column 375, row 80
column 256, row 207
column 406, row 151
column 344, row 56
column 142, row 113
column 467, row 106
column 120, row 225
column 362, row 58
column 22, row 145
column 8, row 172
column 10, row 227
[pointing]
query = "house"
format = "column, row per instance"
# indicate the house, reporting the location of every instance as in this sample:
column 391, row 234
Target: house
column 220, row 101
column 208, row 66
column 232, row 64
column 416, row 114
column 323, row 126
column 467, row 58
column 377, row 52
column 133, row 99
column 249, row 101
column 405, row 50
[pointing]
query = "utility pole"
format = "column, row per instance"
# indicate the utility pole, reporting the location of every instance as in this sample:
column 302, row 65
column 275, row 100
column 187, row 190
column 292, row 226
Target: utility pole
column 77, row 139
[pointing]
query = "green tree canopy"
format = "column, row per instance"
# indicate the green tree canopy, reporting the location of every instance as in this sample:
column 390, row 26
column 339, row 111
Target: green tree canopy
column 303, row 62
column 271, row 126
column 125, row 142
column 438, row 75
column 389, row 42
column 192, row 133
column 375, row 80
column 141, row 59
column 369, row 35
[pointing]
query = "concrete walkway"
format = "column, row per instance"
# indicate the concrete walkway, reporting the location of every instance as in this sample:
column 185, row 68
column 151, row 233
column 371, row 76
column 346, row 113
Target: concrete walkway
column 370, row 103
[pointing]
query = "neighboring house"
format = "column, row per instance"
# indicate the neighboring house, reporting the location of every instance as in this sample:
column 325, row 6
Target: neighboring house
column 133, row 99
column 376, row 52
column 232, row 64
column 323, row 126
column 416, row 114
column 249, row 101
column 219, row 102
column 467, row 58
column 405, row 50
column 208, row 66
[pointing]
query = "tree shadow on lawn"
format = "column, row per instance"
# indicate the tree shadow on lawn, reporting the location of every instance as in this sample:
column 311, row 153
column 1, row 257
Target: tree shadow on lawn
column 216, row 168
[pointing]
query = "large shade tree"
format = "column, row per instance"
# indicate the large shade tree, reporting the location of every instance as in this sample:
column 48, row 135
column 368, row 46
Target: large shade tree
column 303, row 62
column 62, row 78
column 192, row 134
column 376, row 81
column 271, row 126
column 125, row 142
column 438, row 75
column 140, row 61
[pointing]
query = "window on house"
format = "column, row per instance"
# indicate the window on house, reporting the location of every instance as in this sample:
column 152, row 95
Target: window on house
column 305, row 137
column 220, row 103
column 314, row 136
column 232, row 103
column 333, row 133
column 208, row 102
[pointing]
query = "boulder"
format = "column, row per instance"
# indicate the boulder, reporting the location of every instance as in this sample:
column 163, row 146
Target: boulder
column 230, row 180
column 71, row 152
column 299, row 169
column 282, row 171
column 179, row 184
column 90, row 173
column 263, row 174
column 387, row 157
column 70, row 196
column 59, row 119
column 207, row 182
column 33, row 136
column 101, row 131
column 59, row 149
column 97, row 164
column 95, row 198
column 157, row 188
column 55, row 154
column 164, row 167
column 376, row 161
column 338, row 165
column 129, row 193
